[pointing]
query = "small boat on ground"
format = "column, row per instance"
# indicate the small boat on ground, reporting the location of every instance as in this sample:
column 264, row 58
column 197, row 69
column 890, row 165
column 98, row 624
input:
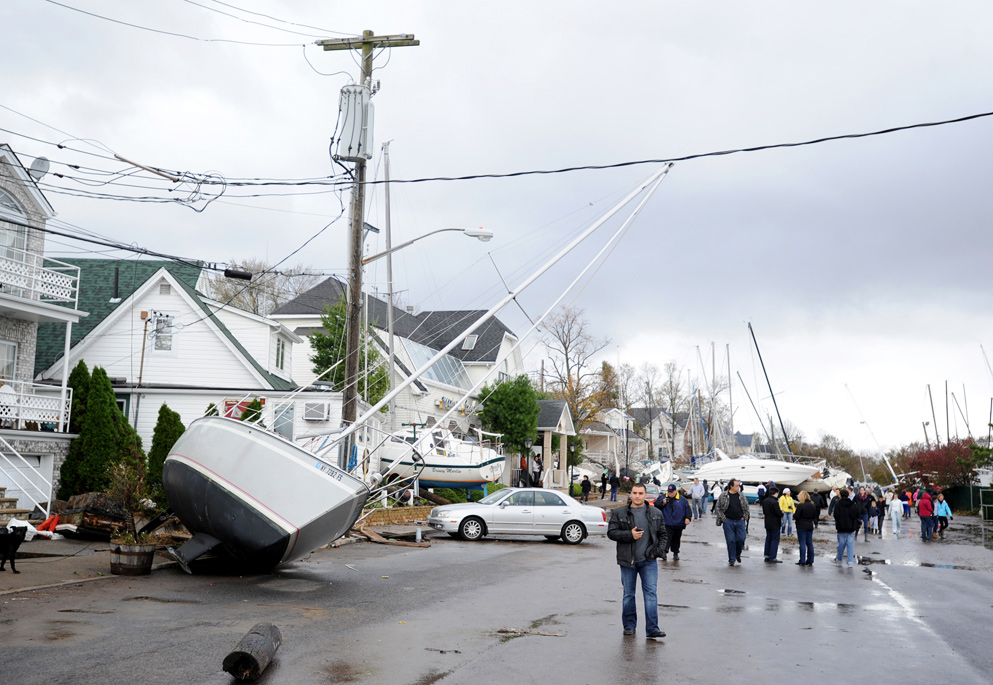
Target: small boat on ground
column 448, row 461
column 752, row 470
column 254, row 495
column 661, row 470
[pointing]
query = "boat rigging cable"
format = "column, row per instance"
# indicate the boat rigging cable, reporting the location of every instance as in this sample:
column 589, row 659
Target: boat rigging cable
column 651, row 184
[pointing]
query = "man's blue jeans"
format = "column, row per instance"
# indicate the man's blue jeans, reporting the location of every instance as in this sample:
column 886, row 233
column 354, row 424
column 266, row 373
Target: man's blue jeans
column 927, row 526
column 771, row 544
column 806, row 541
column 787, row 528
column 648, row 570
column 846, row 540
column 734, row 536
column 697, row 507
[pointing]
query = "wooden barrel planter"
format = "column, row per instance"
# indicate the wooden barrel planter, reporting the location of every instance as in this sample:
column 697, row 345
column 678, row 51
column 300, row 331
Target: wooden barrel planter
column 131, row 560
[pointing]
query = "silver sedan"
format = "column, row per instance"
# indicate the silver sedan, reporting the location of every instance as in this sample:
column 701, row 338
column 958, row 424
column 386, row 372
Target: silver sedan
column 521, row 511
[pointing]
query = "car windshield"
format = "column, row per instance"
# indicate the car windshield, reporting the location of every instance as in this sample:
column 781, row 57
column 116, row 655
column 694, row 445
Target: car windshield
column 494, row 498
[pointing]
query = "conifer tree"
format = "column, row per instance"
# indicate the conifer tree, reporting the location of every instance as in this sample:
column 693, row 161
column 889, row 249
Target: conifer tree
column 168, row 428
column 69, row 483
column 99, row 434
column 253, row 412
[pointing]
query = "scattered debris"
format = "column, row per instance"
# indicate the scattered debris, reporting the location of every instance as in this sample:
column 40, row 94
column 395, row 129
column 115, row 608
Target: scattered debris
column 442, row 651
column 728, row 591
column 528, row 631
column 351, row 567
column 687, row 580
column 373, row 536
column 254, row 652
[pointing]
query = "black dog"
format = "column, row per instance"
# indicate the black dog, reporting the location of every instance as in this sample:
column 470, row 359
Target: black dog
column 10, row 540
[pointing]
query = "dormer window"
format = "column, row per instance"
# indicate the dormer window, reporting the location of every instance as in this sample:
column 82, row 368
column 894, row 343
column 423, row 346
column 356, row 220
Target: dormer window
column 280, row 353
column 470, row 342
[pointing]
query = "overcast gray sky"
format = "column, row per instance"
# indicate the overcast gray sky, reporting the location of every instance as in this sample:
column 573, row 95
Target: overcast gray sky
column 860, row 262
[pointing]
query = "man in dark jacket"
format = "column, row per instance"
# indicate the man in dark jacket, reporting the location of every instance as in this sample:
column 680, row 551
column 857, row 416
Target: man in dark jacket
column 639, row 531
column 676, row 514
column 773, row 522
column 846, row 522
column 732, row 515
column 615, row 483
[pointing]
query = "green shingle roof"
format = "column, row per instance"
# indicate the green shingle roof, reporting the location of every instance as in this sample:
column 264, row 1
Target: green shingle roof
column 96, row 289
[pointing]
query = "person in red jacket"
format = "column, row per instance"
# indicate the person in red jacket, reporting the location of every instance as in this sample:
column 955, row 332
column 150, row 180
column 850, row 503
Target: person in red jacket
column 926, row 511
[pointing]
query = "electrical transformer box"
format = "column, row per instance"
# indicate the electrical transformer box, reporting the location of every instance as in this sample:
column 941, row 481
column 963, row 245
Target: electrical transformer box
column 355, row 115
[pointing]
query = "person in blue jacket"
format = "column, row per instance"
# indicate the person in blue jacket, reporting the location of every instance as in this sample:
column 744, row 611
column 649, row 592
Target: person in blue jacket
column 677, row 514
column 943, row 513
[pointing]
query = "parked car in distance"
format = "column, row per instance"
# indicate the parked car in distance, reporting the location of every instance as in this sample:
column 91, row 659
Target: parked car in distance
column 521, row 511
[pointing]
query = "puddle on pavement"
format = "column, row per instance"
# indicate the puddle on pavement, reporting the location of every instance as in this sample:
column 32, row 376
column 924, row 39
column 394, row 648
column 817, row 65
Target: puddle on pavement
column 161, row 600
column 868, row 561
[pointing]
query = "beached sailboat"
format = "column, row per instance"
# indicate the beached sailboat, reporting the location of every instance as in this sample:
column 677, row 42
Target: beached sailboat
column 752, row 470
column 254, row 494
column 441, row 459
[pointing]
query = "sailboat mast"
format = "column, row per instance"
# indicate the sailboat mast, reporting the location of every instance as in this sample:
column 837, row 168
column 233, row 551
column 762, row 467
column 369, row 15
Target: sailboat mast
column 727, row 348
column 937, row 438
column 786, row 438
column 391, row 358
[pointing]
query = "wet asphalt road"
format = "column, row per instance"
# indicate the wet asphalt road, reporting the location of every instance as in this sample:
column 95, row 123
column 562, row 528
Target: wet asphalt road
column 435, row 617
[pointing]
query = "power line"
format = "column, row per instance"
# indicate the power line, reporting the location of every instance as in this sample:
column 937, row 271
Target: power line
column 172, row 33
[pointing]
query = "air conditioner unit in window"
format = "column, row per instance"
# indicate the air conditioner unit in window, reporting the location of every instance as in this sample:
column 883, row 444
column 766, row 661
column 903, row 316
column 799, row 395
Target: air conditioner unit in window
column 315, row 411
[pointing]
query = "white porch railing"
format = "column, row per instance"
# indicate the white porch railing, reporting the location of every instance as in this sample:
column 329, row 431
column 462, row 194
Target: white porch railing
column 36, row 277
column 32, row 406
column 25, row 478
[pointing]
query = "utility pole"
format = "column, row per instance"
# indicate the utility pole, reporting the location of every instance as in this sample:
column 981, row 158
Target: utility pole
column 367, row 43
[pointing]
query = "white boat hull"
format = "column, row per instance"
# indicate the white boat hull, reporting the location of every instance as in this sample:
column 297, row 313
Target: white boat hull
column 749, row 469
column 260, row 497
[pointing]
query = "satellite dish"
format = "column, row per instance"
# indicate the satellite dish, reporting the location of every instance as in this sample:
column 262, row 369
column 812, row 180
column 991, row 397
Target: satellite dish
column 39, row 167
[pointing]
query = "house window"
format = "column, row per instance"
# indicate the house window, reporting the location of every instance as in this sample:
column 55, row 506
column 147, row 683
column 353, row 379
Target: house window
column 8, row 360
column 469, row 342
column 163, row 332
column 280, row 353
column 13, row 245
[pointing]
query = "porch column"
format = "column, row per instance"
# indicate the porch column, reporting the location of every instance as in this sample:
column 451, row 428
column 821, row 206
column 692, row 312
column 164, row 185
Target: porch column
column 63, row 411
column 546, row 453
column 564, row 461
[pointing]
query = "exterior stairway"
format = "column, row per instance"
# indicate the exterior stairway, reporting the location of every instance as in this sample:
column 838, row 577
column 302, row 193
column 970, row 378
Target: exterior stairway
column 9, row 510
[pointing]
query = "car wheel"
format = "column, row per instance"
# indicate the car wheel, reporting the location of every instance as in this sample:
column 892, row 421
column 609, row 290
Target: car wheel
column 573, row 533
column 552, row 537
column 472, row 528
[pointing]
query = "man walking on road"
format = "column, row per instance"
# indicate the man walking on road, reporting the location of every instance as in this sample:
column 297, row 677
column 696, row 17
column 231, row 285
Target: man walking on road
column 846, row 522
column 603, row 484
column 639, row 531
column 732, row 514
column 773, row 524
column 615, row 483
column 676, row 514
column 698, row 494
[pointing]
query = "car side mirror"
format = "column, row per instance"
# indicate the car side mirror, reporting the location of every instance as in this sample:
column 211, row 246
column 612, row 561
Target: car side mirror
column 503, row 504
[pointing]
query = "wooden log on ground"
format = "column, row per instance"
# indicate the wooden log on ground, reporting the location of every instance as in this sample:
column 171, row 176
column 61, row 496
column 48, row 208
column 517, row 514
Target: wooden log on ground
column 373, row 536
column 433, row 498
column 254, row 653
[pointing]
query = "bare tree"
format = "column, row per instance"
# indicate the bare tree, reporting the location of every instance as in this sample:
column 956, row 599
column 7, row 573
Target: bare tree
column 571, row 348
column 649, row 390
column 672, row 398
column 266, row 291
column 627, row 385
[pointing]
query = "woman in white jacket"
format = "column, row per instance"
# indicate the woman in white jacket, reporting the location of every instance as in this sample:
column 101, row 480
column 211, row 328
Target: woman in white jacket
column 896, row 514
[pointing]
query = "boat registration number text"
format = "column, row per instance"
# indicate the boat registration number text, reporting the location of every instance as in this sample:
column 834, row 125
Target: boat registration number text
column 324, row 468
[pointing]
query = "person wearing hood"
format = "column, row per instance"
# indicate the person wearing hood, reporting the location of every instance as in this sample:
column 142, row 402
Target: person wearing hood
column 896, row 514
column 676, row 513
column 926, row 511
column 846, row 522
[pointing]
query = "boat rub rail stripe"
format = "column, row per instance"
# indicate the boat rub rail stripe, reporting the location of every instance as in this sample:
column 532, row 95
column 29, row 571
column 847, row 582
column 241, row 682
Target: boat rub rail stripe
column 238, row 492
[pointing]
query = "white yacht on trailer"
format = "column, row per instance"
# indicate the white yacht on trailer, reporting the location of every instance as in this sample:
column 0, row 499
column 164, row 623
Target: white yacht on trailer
column 445, row 461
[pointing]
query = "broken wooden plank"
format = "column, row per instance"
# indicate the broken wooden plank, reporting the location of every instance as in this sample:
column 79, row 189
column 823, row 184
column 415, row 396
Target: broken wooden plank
column 373, row 536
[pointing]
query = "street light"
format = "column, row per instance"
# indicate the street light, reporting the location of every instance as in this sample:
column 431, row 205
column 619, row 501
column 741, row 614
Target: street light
column 572, row 466
column 528, row 441
column 478, row 233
